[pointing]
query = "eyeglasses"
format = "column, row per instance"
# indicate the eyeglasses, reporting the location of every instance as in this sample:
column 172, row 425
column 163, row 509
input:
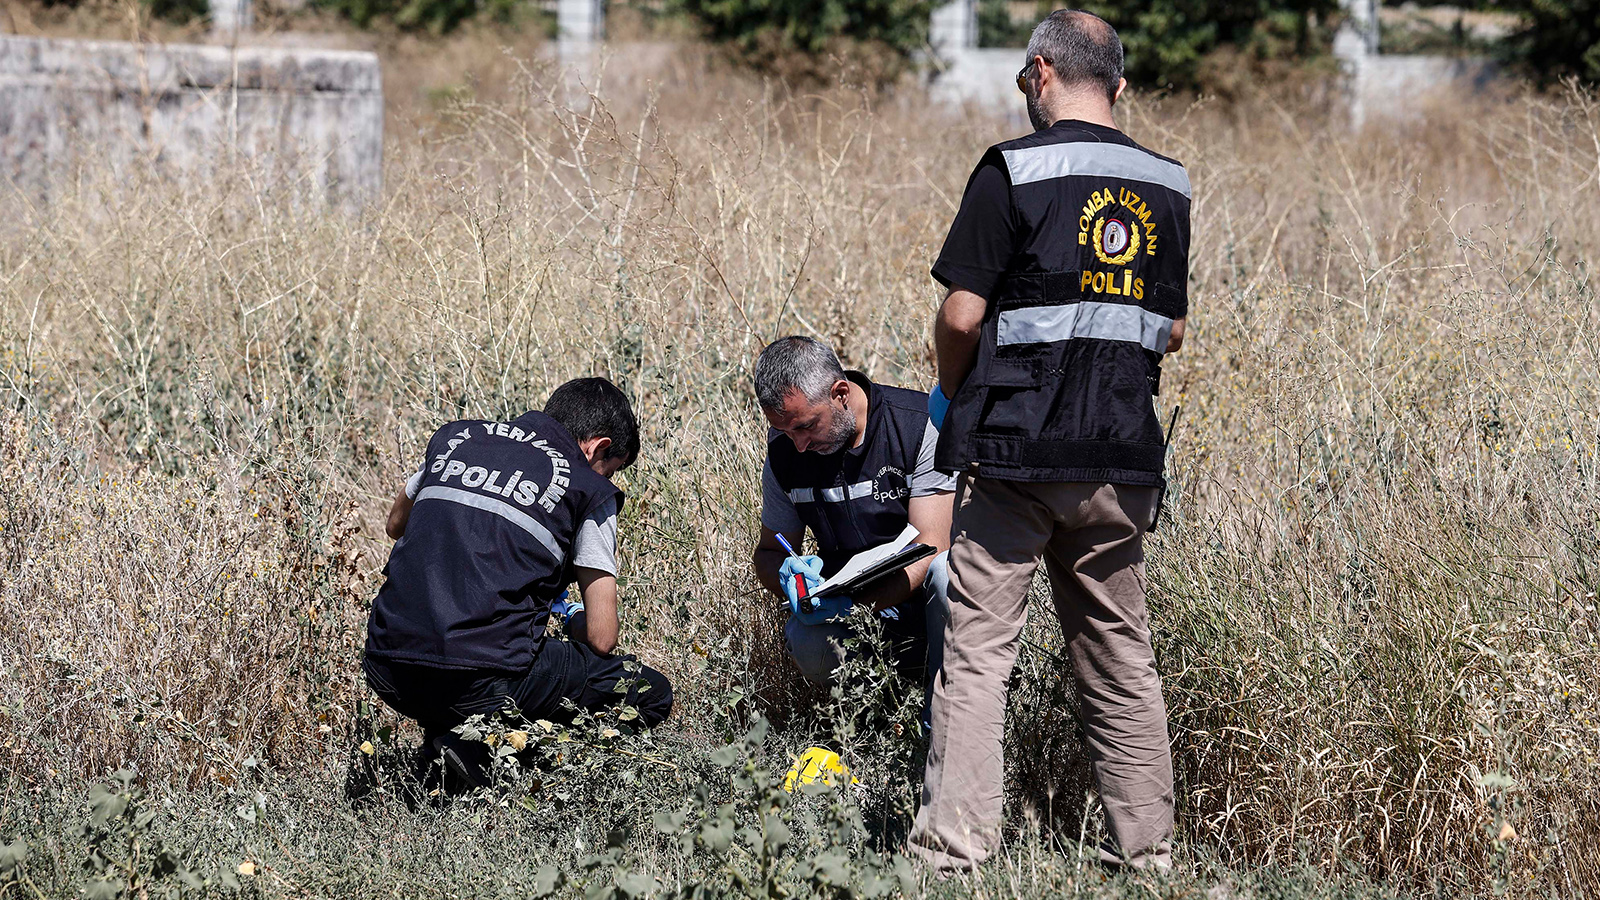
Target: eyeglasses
column 1022, row 75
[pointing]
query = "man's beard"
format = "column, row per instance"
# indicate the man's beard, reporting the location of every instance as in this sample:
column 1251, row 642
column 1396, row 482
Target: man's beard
column 1036, row 113
column 840, row 435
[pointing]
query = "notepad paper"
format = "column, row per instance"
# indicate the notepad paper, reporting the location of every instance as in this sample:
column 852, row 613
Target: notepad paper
column 866, row 559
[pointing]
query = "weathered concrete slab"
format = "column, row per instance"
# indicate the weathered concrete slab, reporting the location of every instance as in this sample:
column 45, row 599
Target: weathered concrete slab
column 310, row 117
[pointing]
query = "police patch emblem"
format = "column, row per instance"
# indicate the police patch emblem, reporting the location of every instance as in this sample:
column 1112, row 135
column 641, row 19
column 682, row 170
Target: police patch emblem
column 1114, row 237
column 1114, row 242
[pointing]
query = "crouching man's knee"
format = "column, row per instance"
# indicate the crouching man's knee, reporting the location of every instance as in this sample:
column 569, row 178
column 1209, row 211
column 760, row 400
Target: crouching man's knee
column 655, row 701
column 816, row 649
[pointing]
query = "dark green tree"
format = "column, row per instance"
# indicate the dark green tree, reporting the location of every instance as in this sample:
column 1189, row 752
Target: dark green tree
column 1561, row 39
column 1167, row 40
column 762, row 33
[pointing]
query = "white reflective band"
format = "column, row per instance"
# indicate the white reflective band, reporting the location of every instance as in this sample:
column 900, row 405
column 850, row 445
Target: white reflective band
column 1104, row 321
column 500, row 508
column 832, row 495
column 1032, row 164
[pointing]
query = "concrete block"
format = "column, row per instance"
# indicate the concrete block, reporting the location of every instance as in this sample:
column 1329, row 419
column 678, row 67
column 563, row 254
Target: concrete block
column 312, row 118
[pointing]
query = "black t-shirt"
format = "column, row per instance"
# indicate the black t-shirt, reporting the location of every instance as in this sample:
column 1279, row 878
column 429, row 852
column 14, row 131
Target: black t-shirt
column 977, row 251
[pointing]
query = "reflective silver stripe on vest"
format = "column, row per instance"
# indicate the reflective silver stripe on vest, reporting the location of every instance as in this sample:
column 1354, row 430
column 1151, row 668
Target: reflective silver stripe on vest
column 500, row 508
column 832, row 495
column 1105, row 321
column 1032, row 164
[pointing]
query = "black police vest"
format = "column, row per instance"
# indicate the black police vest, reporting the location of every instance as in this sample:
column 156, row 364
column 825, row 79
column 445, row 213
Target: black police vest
column 488, row 546
column 859, row 497
column 1071, row 346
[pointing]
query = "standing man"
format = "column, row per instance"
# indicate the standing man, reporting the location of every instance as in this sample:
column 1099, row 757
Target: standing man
column 499, row 520
column 1067, row 270
column 853, row 462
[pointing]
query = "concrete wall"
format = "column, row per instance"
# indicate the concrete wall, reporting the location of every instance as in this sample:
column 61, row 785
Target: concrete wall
column 309, row 117
column 1398, row 88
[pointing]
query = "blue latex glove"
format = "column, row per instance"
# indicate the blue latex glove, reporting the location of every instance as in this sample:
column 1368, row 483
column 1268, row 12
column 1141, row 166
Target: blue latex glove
column 810, row 566
column 938, row 405
column 827, row 609
column 567, row 608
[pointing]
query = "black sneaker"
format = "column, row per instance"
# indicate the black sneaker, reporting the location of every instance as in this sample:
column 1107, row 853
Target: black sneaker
column 466, row 763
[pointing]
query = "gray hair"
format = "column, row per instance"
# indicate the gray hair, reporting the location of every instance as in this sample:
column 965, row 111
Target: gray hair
column 1082, row 47
column 795, row 363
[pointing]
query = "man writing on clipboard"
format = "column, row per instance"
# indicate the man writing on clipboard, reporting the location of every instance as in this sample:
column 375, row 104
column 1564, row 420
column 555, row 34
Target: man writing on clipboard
column 853, row 462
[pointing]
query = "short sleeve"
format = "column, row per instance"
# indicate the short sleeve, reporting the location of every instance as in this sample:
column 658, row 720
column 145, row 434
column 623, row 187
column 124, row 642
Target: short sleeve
column 926, row 480
column 778, row 512
column 595, row 547
column 978, row 248
column 414, row 483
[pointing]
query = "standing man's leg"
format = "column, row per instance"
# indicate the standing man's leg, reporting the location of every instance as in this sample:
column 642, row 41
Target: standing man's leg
column 999, row 531
column 1096, row 566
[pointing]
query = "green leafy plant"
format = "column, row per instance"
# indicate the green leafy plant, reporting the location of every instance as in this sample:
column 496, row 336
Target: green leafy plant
column 126, row 858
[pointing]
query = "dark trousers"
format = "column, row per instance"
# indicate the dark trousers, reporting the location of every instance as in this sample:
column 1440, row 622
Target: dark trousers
column 441, row 699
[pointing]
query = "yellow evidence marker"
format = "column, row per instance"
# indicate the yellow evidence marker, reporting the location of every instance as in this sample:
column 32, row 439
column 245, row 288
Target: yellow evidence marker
column 816, row 763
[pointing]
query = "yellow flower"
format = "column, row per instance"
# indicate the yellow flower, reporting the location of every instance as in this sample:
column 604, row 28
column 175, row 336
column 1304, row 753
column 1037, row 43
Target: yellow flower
column 247, row 868
column 366, row 747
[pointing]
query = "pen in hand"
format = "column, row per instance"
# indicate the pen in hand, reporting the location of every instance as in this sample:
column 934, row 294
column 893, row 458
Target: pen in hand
column 799, row 578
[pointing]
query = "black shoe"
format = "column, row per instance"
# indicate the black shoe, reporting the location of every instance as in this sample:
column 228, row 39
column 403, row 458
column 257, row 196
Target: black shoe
column 466, row 763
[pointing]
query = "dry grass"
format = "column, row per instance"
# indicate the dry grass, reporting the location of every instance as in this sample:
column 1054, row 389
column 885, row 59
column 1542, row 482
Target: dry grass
column 1375, row 591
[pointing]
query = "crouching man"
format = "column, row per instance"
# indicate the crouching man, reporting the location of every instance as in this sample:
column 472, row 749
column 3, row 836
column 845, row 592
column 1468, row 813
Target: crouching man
column 500, row 519
column 853, row 462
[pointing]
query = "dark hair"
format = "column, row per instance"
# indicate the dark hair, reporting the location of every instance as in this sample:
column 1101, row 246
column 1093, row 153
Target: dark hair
column 1082, row 47
column 594, row 407
column 795, row 363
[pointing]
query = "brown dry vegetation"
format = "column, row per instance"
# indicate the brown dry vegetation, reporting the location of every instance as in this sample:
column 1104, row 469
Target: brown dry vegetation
column 1374, row 589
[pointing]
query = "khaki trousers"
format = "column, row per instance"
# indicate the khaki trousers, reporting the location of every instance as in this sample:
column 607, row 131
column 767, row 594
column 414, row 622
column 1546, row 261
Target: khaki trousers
column 1091, row 539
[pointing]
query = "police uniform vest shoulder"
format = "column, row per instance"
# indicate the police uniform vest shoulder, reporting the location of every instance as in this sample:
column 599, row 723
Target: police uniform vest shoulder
column 488, row 545
column 1072, row 340
column 858, row 497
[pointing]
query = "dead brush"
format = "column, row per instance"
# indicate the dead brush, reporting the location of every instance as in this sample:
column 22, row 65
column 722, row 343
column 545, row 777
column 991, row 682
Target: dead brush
column 1374, row 589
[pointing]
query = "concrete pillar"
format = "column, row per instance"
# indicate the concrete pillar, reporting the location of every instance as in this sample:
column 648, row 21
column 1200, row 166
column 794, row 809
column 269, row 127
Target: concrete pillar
column 230, row 18
column 580, row 20
column 1362, row 18
column 954, row 26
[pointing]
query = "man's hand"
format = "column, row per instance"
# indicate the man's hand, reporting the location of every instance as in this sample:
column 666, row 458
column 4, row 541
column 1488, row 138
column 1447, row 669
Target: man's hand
column 1175, row 342
column 955, row 337
column 808, row 567
column 769, row 557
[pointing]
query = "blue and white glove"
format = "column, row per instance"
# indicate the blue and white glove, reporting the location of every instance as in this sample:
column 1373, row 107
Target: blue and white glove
column 809, row 566
column 564, row 607
column 938, row 405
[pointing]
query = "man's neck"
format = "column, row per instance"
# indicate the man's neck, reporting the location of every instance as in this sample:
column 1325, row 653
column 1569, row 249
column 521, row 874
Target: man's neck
column 1082, row 109
column 858, row 407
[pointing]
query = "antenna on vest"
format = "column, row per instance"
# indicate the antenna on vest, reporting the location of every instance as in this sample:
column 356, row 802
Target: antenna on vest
column 1161, row 501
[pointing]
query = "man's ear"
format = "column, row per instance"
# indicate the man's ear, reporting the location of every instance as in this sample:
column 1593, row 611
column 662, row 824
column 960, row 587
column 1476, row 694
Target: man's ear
column 841, row 391
column 1122, row 85
column 595, row 448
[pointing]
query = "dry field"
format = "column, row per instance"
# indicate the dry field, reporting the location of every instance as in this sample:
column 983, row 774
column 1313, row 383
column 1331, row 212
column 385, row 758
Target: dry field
column 1374, row 591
